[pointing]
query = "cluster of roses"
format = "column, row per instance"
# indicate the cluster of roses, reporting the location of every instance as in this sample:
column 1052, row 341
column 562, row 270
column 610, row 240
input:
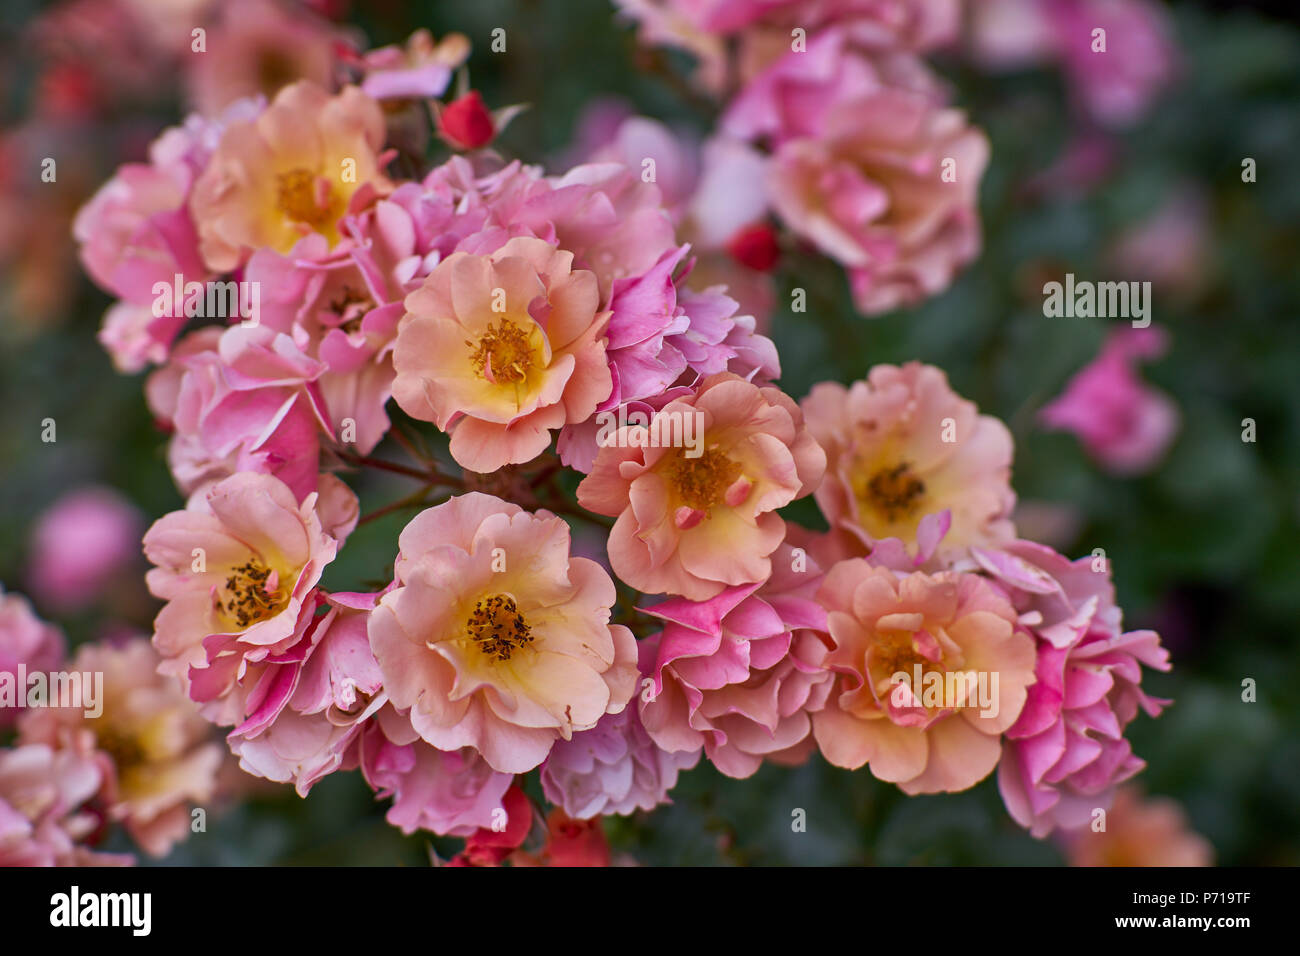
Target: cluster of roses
column 514, row 310
column 835, row 124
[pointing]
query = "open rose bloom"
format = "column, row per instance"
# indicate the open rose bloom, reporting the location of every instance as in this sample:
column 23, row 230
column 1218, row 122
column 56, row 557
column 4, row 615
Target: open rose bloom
column 495, row 638
column 600, row 580
column 293, row 171
column 507, row 346
column 236, row 572
column 946, row 625
column 902, row 445
column 693, row 521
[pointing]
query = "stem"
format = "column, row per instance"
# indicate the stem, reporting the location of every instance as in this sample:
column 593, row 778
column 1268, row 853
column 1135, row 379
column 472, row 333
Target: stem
column 429, row 475
column 400, row 437
column 544, row 475
column 413, row 500
column 368, row 462
column 562, row 507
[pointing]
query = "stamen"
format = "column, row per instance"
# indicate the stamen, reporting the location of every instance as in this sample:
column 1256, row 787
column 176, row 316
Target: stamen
column 305, row 197
column 503, row 353
column 894, row 492
column 498, row 627
column 702, row 482
column 253, row 594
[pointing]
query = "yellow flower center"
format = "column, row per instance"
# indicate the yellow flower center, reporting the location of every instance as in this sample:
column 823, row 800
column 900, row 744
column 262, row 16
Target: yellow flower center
column 895, row 651
column 701, row 482
column 498, row 627
column 251, row 594
column 302, row 196
column 503, row 353
column 126, row 749
column 894, row 493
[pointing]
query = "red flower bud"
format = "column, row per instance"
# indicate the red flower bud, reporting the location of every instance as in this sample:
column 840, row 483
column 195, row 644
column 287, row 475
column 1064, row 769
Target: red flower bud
column 466, row 122
column 755, row 246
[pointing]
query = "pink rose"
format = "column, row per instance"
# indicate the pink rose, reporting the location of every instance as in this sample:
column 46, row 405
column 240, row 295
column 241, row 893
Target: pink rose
column 27, row 640
column 237, row 569
column 80, row 543
column 740, row 674
column 1123, row 424
column 930, row 671
column 614, row 768
column 1066, row 753
column 696, row 492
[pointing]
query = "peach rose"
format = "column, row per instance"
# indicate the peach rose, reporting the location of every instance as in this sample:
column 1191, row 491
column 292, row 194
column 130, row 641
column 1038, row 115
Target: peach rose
column 495, row 638
column 696, row 491
column 902, row 445
column 930, row 671
column 500, row 349
column 162, row 752
column 295, row 170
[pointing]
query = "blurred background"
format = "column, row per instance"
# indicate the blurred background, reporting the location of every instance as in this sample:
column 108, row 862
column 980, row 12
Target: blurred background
column 1204, row 541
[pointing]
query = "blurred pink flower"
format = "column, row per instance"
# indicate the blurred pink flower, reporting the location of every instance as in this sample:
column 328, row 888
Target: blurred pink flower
column 1122, row 423
column 115, row 44
column 1146, row 832
column 259, row 47
column 614, row 768
column 760, row 29
column 161, row 755
column 1116, row 86
column 1173, row 248
column 1066, row 753
column 79, row 544
column 43, row 817
column 27, row 640
column 794, row 97
column 494, row 637
column 740, row 674
column 872, row 194
column 421, row 69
